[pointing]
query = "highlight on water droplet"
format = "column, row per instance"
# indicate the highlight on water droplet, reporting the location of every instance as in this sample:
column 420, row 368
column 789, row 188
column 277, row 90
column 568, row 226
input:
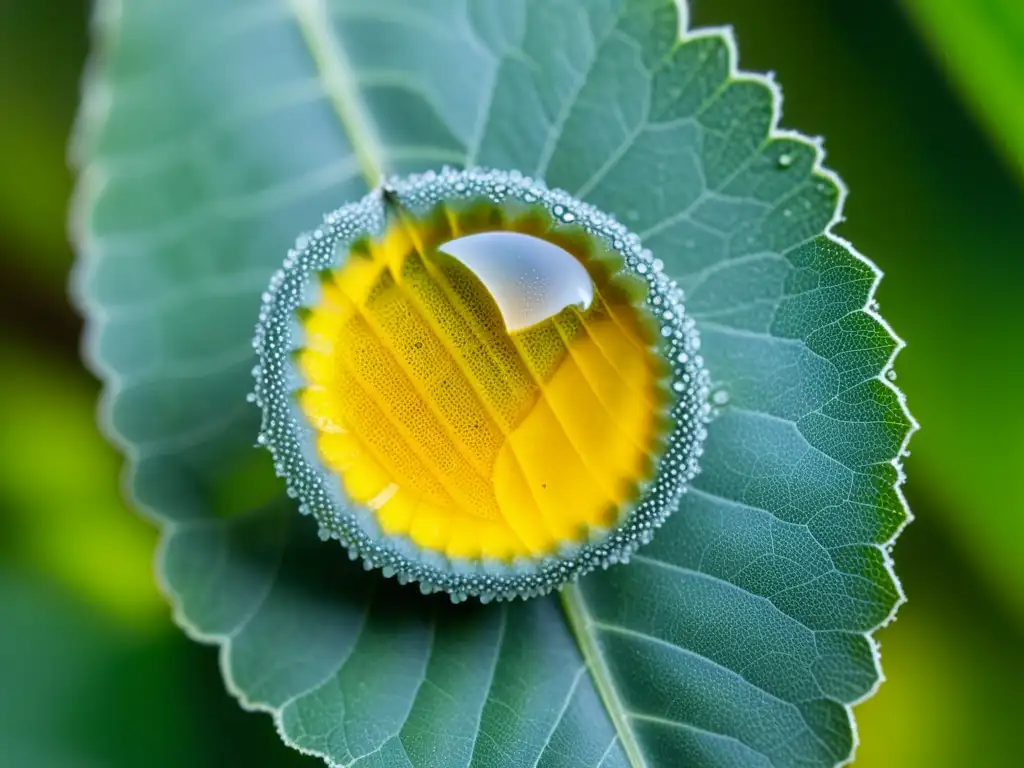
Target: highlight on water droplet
column 480, row 384
column 529, row 278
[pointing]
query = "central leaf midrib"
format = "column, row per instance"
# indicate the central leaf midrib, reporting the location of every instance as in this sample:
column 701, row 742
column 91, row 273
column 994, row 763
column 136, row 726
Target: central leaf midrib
column 335, row 72
column 581, row 625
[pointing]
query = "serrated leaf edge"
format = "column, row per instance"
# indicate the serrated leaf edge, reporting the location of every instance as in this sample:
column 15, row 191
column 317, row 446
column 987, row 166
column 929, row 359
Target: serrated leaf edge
column 870, row 308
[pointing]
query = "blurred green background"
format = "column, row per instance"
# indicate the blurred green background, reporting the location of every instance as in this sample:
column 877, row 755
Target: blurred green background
column 922, row 104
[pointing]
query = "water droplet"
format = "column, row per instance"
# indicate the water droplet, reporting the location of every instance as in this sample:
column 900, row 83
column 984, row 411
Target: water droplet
column 529, row 278
column 785, row 160
column 720, row 397
column 559, row 283
column 890, row 374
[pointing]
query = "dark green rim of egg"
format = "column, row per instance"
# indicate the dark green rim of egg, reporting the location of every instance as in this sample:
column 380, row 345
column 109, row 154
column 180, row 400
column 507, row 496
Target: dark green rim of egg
column 291, row 440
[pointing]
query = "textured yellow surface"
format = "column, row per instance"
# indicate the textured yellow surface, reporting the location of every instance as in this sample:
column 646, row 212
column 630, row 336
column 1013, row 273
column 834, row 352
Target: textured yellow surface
column 472, row 441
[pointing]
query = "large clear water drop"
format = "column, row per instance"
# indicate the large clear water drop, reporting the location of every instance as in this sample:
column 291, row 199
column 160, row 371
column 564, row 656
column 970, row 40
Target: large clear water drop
column 529, row 278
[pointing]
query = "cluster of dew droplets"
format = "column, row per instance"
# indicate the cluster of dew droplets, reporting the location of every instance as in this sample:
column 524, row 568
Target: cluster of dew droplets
column 291, row 440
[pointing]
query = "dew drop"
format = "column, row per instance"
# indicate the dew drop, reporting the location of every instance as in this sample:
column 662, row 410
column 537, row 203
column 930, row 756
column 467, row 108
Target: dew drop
column 529, row 278
column 720, row 397
column 785, row 160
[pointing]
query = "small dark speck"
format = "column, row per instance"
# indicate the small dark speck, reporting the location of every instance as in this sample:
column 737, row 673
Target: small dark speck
column 543, row 485
column 418, row 345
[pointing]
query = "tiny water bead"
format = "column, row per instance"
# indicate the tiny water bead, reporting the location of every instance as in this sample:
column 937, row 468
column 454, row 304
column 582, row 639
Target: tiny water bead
column 479, row 384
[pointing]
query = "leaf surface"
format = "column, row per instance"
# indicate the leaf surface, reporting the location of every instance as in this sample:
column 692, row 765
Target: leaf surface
column 214, row 132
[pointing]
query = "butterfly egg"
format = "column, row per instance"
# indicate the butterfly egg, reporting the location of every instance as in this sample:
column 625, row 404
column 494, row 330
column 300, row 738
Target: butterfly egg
column 480, row 384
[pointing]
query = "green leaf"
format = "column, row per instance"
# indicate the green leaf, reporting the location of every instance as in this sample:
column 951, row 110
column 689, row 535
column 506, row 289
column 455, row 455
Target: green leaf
column 741, row 635
column 982, row 45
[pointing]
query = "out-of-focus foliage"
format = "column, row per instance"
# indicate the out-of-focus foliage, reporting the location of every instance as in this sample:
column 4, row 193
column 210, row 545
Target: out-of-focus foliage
column 41, row 53
column 982, row 44
column 66, row 514
column 952, row 699
column 931, row 202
